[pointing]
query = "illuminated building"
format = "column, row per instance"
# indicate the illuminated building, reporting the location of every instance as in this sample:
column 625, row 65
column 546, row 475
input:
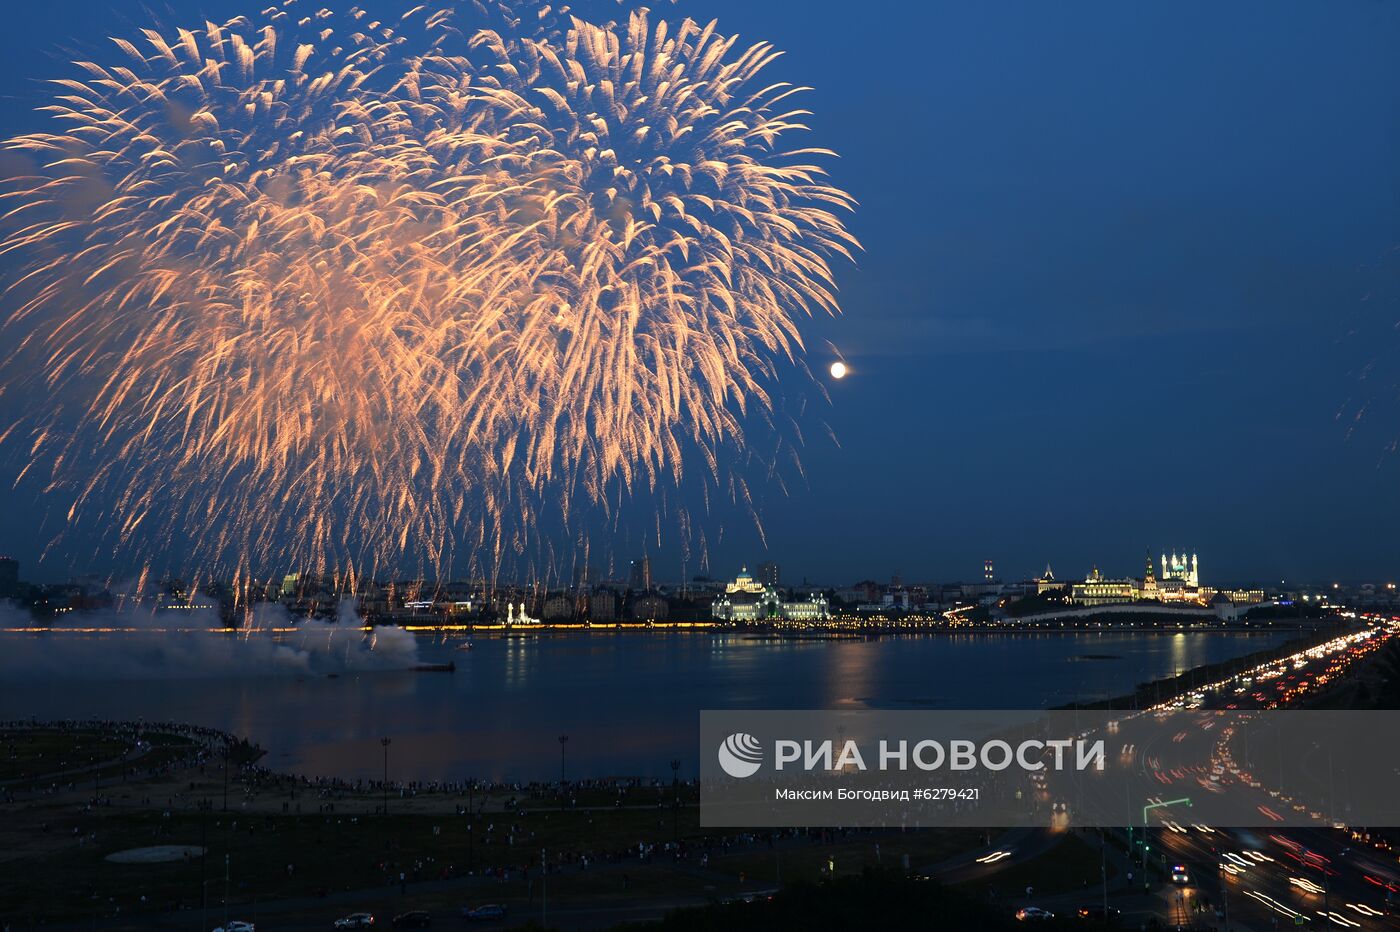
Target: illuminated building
column 1180, row 582
column 746, row 600
column 1149, row 590
column 1047, row 582
column 1180, row 569
column 523, row 618
column 1096, row 589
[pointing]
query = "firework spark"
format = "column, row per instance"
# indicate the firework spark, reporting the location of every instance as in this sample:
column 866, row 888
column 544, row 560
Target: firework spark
column 322, row 290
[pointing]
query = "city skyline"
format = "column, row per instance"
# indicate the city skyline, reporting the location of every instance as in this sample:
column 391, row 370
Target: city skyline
column 1118, row 300
column 638, row 575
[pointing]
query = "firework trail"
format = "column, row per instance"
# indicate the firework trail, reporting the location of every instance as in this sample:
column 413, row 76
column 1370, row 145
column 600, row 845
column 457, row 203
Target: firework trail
column 323, row 290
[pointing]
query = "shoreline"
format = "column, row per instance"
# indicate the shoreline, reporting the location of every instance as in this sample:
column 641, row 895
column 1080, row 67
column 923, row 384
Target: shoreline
column 831, row 631
column 1154, row 691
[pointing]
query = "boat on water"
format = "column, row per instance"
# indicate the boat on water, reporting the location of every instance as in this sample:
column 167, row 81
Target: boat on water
column 465, row 645
column 449, row 667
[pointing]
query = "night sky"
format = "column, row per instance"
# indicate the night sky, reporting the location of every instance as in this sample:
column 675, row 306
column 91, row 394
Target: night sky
column 1130, row 281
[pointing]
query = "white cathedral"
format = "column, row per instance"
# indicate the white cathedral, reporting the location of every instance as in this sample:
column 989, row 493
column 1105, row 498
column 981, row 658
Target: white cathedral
column 746, row 600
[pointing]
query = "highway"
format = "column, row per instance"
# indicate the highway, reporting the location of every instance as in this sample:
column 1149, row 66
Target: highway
column 1264, row 877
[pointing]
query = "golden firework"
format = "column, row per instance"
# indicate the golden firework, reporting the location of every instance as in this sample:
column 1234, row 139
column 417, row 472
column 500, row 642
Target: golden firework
column 347, row 294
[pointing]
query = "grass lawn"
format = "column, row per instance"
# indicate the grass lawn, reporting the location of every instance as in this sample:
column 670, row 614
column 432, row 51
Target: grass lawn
column 25, row 754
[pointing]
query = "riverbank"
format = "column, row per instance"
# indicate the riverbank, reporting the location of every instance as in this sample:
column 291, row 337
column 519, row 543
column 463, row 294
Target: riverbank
column 1166, row 688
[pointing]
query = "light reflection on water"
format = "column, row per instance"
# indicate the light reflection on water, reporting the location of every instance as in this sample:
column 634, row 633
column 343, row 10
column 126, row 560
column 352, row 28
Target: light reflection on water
column 629, row 702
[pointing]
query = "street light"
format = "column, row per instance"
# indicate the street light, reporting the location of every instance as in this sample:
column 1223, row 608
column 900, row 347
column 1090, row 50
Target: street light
column 385, row 743
column 563, row 740
column 676, row 800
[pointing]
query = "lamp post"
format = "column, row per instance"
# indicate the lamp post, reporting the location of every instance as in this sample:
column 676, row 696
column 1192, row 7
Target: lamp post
column 226, row 860
column 563, row 740
column 1145, row 810
column 204, row 862
column 675, row 800
column 385, row 742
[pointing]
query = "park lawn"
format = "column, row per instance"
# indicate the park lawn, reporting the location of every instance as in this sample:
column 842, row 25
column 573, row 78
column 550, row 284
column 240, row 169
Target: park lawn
column 25, row 754
column 331, row 852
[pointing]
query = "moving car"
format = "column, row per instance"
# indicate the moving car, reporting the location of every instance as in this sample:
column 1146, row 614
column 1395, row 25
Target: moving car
column 417, row 919
column 236, row 925
column 1179, row 874
column 356, row 921
column 487, row 911
column 1033, row 914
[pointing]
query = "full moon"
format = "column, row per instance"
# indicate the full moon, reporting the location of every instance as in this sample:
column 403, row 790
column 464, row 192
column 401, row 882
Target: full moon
column 838, row 370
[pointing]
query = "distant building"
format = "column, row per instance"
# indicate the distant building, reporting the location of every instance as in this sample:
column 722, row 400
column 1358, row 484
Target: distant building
column 1047, row 582
column 748, row 600
column 770, row 574
column 602, row 605
column 1149, row 590
column 639, row 579
column 557, row 608
column 1097, row 589
column 1224, row 607
column 1182, row 570
column 1180, row 582
column 989, row 572
column 9, row 578
column 864, row 591
column 650, row 608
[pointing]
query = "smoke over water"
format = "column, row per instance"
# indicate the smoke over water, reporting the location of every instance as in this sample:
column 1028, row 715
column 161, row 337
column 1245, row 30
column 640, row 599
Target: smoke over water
column 190, row 645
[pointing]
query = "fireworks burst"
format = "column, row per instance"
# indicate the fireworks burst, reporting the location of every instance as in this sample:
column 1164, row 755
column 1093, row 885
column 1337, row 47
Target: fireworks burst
column 341, row 293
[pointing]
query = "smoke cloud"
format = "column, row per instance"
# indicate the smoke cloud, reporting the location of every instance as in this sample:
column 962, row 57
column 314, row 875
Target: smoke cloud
column 141, row 644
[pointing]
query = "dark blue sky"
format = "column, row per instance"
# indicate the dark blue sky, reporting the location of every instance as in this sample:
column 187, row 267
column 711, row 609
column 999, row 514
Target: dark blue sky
column 1126, row 267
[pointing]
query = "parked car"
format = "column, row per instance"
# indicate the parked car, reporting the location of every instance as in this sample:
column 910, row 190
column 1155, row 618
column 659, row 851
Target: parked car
column 487, row 911
column 356, row 921
column 1099, row 914
column 1033, row 914
column 416, row 919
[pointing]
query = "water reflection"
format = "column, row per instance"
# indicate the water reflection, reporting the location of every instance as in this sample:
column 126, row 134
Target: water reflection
column 630, row 703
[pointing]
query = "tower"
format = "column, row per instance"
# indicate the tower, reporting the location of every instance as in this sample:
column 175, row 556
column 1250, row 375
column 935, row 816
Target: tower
column 989, row 573
column 9, row 578
column 640, row 575
column 1149, row 589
